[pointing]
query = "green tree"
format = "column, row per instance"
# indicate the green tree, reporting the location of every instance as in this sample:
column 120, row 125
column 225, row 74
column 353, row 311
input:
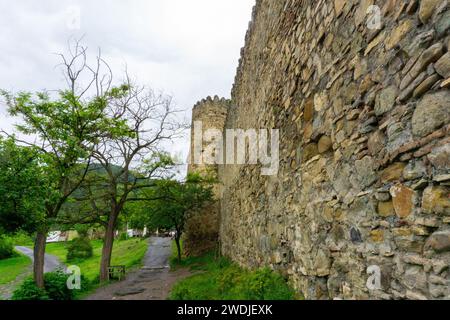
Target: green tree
column 24, row 186
column 66, row 129
column 170, row 203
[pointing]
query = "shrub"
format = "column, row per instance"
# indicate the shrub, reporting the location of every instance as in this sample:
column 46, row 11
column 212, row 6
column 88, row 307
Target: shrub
column 6, row 248
column 22, row 239
column 79, row 248
column 82, row 230
column 123, row 236
column 264, row 284
column 29, row 291
column 55, row 288
column 223, row 280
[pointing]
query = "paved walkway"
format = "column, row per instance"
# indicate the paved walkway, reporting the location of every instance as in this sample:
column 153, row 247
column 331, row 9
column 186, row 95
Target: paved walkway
column 152, row 282
column 51, row 263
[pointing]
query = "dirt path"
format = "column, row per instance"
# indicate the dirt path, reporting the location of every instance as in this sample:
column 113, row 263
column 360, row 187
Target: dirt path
column 152, row 282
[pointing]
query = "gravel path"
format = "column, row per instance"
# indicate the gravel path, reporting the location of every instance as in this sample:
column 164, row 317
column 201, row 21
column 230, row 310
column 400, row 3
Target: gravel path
column 152, row 282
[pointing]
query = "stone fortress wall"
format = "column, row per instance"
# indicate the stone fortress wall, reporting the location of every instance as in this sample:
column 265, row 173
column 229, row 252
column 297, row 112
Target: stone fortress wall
column 364, row 119
column 202, row 230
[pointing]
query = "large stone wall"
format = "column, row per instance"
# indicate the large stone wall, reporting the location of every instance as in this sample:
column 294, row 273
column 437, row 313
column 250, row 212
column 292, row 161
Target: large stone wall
column 364, row 119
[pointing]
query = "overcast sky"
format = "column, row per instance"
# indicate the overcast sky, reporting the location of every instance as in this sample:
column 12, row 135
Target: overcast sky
column 189, row 49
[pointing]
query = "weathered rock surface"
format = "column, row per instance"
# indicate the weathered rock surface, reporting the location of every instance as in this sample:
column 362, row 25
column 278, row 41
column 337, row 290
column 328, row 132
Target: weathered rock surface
column 363, row 171
column 431, row 113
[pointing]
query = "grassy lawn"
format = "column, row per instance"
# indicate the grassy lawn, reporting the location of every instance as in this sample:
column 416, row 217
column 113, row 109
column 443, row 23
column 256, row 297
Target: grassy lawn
column 220, row 279
column 128, row 253
column 11, row 268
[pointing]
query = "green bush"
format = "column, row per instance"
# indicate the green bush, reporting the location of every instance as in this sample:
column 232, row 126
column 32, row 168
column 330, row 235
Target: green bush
column 6, row 248
column 123, row 236
column 55, row 288
column 264, row 284
column 22, row 239
column 29, row 291
column 223, row 280
column 79, row 248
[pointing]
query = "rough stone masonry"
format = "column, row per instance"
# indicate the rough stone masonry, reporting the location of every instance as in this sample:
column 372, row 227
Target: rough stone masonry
column 364, row 119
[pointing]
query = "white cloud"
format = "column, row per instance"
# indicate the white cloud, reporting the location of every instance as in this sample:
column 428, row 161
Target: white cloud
column 189, row 49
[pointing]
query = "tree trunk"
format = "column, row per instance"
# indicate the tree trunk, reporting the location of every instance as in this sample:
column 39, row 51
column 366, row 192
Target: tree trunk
column 107, row 247
column 39, row 257
column 177, row 241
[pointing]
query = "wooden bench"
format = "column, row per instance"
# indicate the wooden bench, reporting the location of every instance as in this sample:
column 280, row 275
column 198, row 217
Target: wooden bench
column 116, row 272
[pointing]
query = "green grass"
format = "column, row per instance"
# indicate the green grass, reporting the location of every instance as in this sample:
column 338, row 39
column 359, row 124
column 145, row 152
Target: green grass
column 220, row 279
column 128, row 253
column 11, row 268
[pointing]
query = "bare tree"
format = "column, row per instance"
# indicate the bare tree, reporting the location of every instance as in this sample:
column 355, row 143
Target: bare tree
column 132, row 162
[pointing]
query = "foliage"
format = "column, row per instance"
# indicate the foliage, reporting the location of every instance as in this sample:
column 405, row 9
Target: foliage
column 79, row 248
column 221, row 279
column 6, row 247
column 65, row 128
column 55, row 288
column 22, row 238
column 28, row 290
column 170, row 202
column 24, row 187
column 123, row 236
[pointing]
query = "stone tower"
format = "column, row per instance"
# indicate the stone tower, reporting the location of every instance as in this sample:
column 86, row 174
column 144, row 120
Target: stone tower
column 202, row 231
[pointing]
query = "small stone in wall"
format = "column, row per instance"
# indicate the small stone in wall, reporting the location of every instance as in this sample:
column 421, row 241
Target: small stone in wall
column 393, row 173
column 308, row 112
column 436, row 199
column 310, row 151
column 443, row 24
column 355, row 235
column 403, row 200
column 386, row 209
column 376, row 142
column 439, row 241
column 377, row 235
column 426, row 9
column 414, row 170
column 320, row 101
column 440, row 157
column 431, row 113
column 338, row 6
column 425, row 85
column 442, row 66
column 366, row 171
column 325, row 144
column 398, row 34
column 385, row 100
